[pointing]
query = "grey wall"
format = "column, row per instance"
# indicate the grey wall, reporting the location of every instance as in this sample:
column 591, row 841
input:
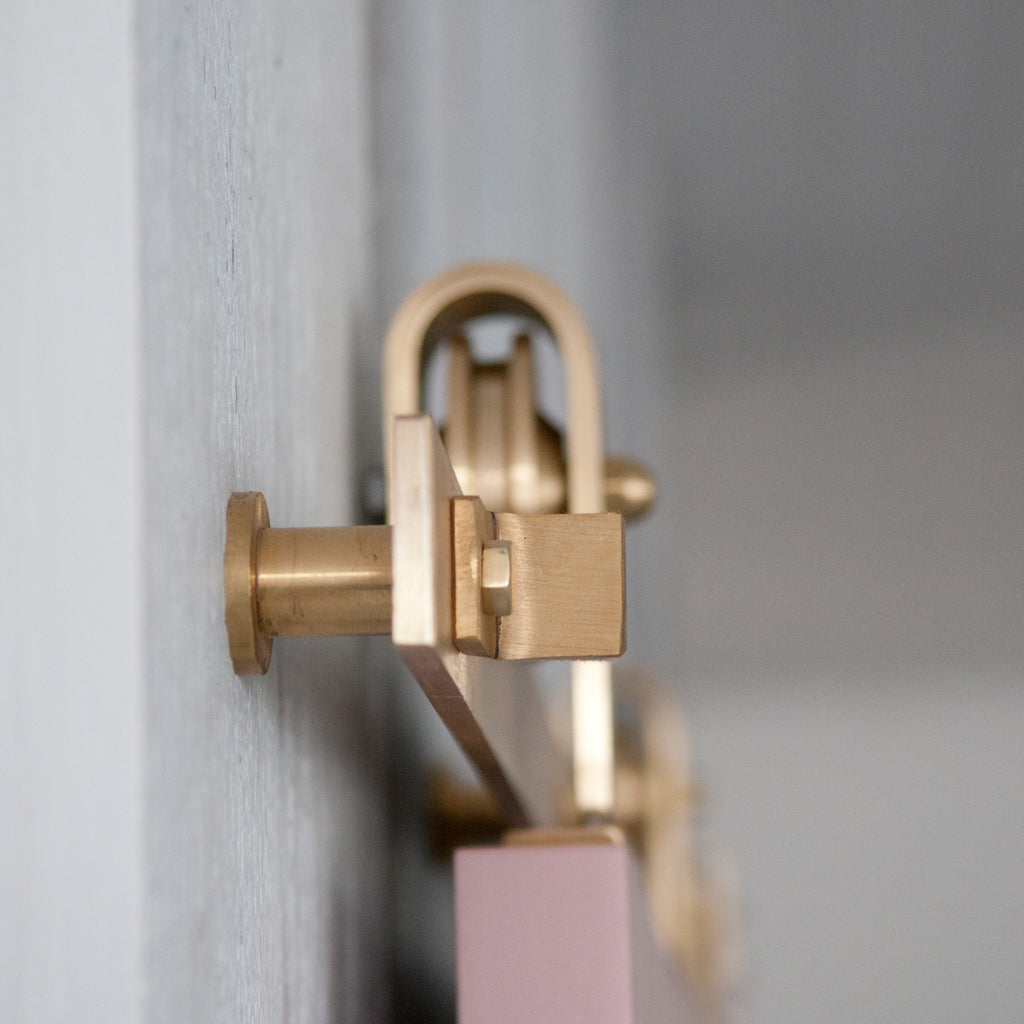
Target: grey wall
column 185, row 268
column 266, row 841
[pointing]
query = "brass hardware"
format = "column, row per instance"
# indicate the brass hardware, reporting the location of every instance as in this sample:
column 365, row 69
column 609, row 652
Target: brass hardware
column 629, row 488
column 606, row 835
column 325, row 582
column 461, row 590
column 496, row 578
column 338, row 582
column 569, row 582
column 560, row 577
column 248, row 645
column 693, row 914
column 475, row 627
column 504, row 548
column 461, row 814
column 503, row 450
column 436, row 312
column 490, row 707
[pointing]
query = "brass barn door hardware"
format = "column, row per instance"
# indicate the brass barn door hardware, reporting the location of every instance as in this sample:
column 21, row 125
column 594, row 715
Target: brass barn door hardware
column 505, row 451
column 504, row 545
column 500, row 446
column 498, row 549
column 502, row 449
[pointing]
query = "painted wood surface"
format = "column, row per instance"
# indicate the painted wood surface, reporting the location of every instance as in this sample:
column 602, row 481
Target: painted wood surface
column 265, row 813
column 549, row 934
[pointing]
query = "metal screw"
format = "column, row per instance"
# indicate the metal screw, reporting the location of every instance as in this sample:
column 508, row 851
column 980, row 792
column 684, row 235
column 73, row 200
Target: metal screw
column 496, row 577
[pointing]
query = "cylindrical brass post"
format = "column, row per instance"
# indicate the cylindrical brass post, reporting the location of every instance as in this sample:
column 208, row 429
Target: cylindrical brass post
column 324, row 582
column 299, row 582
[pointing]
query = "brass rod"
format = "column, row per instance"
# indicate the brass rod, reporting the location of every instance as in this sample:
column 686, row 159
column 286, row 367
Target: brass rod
column 333, row 581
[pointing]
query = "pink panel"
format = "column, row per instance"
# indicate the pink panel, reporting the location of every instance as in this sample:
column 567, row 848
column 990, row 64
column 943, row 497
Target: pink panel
column 558, row 934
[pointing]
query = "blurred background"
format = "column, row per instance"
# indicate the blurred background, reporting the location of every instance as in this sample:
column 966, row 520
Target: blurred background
column 797, row 234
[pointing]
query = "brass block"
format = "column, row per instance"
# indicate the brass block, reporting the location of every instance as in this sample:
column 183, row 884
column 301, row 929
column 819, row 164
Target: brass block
column 569, row 582
column 562, row 594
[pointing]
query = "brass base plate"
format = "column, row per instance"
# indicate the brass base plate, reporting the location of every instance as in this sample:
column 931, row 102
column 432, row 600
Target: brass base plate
column 250, row 648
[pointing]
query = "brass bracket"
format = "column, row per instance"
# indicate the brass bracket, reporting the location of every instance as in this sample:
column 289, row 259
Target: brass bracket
column 499, row 445
column 406, row 579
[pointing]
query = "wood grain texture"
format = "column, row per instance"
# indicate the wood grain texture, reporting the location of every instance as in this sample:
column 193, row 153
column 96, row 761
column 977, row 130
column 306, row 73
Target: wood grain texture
column 265, row 827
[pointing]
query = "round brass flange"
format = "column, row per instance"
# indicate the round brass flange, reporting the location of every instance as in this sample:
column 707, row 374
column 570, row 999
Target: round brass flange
column 250, row 648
